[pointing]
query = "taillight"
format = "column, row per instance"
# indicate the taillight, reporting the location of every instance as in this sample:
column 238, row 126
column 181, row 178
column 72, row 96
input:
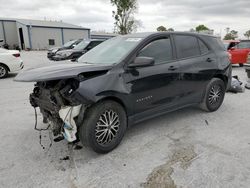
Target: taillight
column 16, row 55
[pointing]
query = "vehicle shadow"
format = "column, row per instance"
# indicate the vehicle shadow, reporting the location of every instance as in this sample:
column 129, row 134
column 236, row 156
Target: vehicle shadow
column 138, row 133
column 11, row 75
column 168, row 119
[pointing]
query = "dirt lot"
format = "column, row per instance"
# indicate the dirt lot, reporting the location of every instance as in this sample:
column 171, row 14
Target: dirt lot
column 186, row 148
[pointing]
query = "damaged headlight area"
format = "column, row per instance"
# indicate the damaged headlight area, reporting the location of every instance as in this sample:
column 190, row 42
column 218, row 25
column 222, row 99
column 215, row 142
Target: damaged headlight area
column 59, row 105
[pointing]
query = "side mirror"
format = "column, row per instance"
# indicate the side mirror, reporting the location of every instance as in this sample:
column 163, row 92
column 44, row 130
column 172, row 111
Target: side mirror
column 142, row 62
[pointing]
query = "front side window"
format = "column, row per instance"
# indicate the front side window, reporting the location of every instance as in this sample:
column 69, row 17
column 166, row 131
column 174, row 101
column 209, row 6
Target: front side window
column 160, row 50
column 93, row 44
column 186, row 46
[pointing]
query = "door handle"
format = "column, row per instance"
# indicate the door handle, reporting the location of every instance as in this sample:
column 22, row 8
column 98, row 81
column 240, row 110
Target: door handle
column 209, row 59
column 172, row 68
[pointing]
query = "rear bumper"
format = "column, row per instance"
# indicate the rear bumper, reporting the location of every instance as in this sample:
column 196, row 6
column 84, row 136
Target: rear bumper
column 16, row 66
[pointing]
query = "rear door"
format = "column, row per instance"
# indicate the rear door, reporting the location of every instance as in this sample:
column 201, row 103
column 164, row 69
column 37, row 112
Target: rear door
column 197, row 65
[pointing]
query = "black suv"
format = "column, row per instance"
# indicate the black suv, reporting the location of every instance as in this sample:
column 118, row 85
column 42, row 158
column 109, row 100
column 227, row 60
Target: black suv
column 77, row 51
column 68, row 45
column 126, row 80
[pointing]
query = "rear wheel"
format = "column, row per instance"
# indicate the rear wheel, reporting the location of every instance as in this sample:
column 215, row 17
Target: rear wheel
column 214, row 95
column 3, row 71
column 104, row 126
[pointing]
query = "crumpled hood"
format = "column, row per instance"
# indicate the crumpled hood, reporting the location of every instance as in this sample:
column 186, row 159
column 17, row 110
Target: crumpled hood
column 58, row 71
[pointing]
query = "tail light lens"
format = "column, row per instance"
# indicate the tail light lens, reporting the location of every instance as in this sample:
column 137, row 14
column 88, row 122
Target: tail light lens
column 16, row 55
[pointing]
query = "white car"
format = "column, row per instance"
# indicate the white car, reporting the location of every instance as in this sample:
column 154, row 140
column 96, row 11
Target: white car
column 10, row 61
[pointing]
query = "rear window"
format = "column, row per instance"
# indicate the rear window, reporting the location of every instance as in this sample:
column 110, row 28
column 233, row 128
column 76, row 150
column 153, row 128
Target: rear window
column 186, row 46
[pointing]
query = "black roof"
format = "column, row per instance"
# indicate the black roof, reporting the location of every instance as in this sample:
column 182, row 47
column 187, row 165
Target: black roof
column 146, row 34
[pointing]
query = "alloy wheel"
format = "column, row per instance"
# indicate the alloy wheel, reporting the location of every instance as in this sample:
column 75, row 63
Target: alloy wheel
column 2, row 71
column 215, row 94
column 107, row 127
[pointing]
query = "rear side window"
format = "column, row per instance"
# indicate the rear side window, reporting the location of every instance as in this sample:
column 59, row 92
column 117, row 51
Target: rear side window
column 203, row 47
column 160, row 50
column 187, row 46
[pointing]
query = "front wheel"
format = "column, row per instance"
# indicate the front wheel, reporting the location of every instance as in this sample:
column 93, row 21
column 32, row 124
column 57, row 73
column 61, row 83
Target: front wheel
column 241, row 64
column 214, row 95
column 104, row 126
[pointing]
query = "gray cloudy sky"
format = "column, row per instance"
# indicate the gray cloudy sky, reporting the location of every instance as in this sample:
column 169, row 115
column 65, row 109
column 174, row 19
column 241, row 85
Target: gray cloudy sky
column 97, row 14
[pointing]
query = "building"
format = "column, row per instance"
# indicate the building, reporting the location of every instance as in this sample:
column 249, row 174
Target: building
column 102, row 35
column 39, row 34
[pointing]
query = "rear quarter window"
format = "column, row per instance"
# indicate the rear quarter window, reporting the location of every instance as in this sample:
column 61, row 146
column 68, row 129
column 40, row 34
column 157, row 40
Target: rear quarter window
column 203, row 47
column 186, row 46
column 217, row 43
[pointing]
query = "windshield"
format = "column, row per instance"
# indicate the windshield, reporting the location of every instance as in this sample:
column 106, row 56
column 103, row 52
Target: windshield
column 82, row 45
column 243, row 45
column 68, row 44
column 111, row 51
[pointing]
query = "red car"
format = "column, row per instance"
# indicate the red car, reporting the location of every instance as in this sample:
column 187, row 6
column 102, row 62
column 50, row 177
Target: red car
column 239, row 50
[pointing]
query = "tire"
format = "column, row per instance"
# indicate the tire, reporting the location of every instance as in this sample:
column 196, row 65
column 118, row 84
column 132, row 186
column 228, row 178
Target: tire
column 214, row 95
column 93, row 131
column 3, row 71
column 241, row 64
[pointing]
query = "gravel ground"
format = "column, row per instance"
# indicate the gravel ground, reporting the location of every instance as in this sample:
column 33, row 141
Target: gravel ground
column 186, row 148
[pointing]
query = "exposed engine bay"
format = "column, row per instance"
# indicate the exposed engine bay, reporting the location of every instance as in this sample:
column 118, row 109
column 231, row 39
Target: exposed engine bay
column 59, row 109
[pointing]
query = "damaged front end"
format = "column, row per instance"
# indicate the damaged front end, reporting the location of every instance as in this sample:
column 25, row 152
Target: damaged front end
column 59, row 106
column 62, row 96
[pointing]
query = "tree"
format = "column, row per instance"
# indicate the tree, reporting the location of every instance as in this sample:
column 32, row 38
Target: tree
column 201, row 28
column 170, row 29
column 231, row 35
column 161, row 28
column 124, row 19
column 247, row 34
column 192, row 30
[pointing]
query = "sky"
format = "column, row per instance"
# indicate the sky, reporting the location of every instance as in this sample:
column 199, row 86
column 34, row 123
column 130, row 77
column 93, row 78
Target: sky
column 182, row 15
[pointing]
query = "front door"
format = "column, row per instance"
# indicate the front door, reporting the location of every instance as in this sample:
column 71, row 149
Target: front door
column 155, row 87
